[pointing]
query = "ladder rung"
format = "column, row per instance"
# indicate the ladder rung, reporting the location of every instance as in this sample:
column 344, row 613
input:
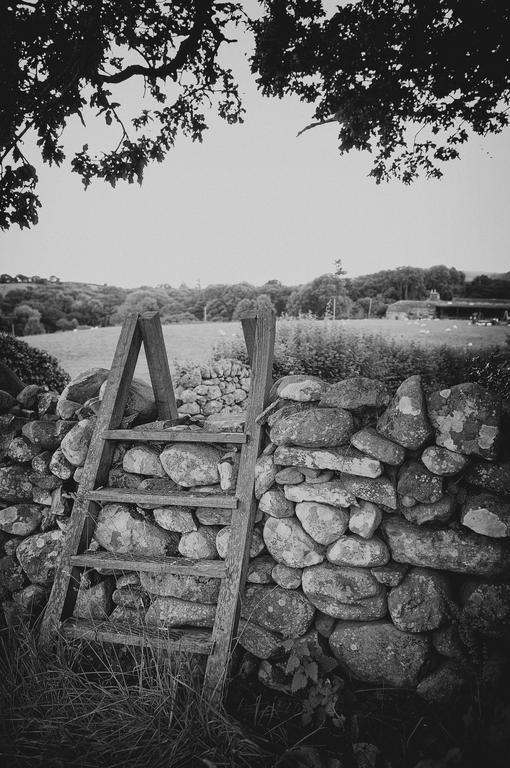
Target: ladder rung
column 189, row 639
column 213, row 569
column 167, row 436
column 134, row 496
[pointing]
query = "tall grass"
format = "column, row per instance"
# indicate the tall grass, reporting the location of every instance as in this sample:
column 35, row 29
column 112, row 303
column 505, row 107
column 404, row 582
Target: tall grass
column 90, row 706
column 329, row 350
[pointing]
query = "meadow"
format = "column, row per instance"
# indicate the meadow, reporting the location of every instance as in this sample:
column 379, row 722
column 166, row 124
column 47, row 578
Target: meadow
column 78, row 350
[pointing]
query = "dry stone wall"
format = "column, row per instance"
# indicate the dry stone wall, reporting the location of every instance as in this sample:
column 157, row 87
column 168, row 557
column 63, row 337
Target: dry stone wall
column 221, row 387
column 382, row 530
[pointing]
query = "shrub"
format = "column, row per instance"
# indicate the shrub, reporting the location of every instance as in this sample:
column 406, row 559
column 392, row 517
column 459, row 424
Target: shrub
column 33, row 366
column 332, row 352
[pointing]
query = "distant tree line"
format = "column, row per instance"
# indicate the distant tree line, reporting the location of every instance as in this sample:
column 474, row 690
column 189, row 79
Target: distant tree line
column 51, row 305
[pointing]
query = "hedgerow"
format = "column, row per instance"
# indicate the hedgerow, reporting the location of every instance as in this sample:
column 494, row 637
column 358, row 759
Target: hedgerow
column 33, row 366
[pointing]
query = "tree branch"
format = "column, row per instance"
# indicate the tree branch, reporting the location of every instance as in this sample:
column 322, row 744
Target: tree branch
column 186, row 48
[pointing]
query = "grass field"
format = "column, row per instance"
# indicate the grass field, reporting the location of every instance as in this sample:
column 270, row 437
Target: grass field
column 78, row 350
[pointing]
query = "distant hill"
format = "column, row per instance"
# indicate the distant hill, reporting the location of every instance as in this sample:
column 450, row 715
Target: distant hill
column 470, row 276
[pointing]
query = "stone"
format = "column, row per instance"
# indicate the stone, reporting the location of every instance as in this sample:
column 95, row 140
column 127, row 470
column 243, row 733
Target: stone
column 47, row 403
column 449, row 684
column 128, row 580
column 420, row 603
column 275, row 504
column 405, row 419
column 369, row 609
column 355, row 393
column 489, row 477
column 39, row 554
column 329, row 587
column 198, row 589
column 190, row 464
column 82, row 387
column 279, row 610
column 445, row 549
column 15, row 484
column 211, row 516
column 132, row 617
column 447, row 642
column 117, row 478
column 369, row 441
column 28, row 395
column 314, row 428
column 289, row 476
column 143, row 460
column 391, row 574
column 333, row 492
column 95, row 601
column 223, row 539
column 257, row 640
column 466, row 419
column 286, row 577
column 441, row 461
column 299, row 387
column 12, row 576
column 7, row 401
column 260, row 569
column 178, row 519
column 365, row 519
column 265, row 473
column 289, row 544
column 321, row 477
column 283, row 409
column 31, row 599
column 121, row 530
column 322, row 522
column 324, row 624
column 379, row 653
column 45, row 481
column 22, row 450
column 46, row 435
column 378, row 490
column 346, row 459
column 162, row 485
column 487, row 514
column 68, row 409
column 41, row 496
column 199, row 544
column 140, row 401
column 358, row 552
column 60, row 466
column 172, row 612
column 20, row 519
column 439, row 511
column 415, row 481
column 225, row 422
column 75, row 444
column 227, row 474
column 486, row 608
column 131, row 597
column 41, row 462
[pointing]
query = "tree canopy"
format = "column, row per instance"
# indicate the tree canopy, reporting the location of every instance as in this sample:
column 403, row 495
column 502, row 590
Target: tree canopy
column 406, row 80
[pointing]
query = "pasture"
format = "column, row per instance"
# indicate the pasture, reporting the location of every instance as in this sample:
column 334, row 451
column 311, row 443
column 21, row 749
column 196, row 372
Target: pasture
column 78, row 350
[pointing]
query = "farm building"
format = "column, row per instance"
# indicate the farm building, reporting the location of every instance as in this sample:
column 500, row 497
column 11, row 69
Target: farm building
column 463, row 309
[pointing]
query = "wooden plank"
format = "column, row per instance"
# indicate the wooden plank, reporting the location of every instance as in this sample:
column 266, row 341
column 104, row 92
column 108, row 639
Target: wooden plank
column 212, row 569
column 186, row 639
column 167, row 436
column 96, row 468
column 157, row 362
column 249, row 325
column 134, row 496
column 227, row 614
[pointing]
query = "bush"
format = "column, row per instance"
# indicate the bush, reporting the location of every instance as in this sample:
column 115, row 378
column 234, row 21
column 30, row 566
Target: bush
column 330, row 351
column 33, row 366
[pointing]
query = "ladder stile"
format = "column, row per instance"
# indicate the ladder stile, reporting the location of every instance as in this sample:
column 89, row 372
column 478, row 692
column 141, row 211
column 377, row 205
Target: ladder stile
column 259, row 333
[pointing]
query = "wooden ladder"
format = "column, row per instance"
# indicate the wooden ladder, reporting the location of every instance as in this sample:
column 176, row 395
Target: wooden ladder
column 259, row 331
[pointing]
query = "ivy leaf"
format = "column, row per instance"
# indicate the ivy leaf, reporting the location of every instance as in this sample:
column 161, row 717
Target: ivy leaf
column 299, row 681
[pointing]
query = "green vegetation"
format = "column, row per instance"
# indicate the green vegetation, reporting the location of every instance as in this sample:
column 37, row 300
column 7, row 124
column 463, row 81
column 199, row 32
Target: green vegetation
column 33, row 366
column 31, row 305
column 331, row 351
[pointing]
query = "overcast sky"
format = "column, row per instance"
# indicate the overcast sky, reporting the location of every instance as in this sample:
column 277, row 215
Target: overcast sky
column 255, row 203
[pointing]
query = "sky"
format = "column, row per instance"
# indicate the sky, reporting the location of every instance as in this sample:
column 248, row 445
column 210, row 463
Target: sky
column 254, row 202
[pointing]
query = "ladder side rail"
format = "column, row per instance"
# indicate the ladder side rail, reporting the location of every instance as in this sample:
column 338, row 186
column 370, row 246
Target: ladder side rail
column 95, row 471
column 157, row 362
column 227, row 614
column 249, row 326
